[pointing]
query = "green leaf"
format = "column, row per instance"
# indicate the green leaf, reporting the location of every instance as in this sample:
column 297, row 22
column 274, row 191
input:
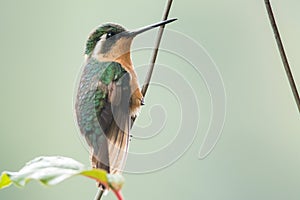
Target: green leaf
column 4, row 181
column 55, row 169
column 93, row 173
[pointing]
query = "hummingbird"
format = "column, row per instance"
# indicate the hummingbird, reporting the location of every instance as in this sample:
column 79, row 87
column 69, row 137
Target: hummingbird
column 108, row 94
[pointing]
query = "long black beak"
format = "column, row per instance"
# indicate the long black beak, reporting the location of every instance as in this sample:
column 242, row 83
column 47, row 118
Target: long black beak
column 146, row 28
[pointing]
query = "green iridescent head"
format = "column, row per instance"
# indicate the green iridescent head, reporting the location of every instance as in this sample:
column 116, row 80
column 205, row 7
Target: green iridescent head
column 108, row 29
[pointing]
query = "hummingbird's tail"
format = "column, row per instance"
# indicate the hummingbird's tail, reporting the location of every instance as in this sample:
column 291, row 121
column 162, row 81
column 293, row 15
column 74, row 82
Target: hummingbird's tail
column 111, row 151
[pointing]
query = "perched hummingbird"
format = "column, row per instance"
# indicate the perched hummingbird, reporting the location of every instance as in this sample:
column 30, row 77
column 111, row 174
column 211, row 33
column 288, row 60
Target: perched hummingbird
column 108, row 94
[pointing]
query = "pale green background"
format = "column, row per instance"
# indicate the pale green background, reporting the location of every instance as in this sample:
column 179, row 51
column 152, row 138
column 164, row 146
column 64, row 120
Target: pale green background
column 258, row 155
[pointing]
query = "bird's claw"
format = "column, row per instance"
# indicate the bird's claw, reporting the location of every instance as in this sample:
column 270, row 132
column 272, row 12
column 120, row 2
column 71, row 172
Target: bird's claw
column 130, row 137
column 142, row 101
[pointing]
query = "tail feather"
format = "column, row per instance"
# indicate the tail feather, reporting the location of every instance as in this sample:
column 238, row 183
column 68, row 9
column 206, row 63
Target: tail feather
column 113, row 147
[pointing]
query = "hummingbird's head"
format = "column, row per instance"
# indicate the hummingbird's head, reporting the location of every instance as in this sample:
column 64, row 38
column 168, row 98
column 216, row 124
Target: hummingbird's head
column 103, row 38
column 110, row 41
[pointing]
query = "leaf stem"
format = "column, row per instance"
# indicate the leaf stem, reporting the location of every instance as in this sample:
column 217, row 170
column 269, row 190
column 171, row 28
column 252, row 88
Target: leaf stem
column 118, row 194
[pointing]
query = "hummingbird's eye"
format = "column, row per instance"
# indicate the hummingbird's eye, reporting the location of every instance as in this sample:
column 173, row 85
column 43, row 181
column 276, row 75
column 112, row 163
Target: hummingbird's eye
column 109, row 34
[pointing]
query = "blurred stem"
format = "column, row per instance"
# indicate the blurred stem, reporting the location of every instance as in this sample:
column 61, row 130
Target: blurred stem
column 283, row 54
column 99, row 194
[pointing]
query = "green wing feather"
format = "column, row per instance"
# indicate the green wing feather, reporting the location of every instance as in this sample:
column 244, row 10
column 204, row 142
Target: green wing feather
column 102, row 109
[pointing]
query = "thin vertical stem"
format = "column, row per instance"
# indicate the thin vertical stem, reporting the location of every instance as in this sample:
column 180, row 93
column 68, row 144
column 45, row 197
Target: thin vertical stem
column 283, row 54
column 155, row 52
column 156, row 47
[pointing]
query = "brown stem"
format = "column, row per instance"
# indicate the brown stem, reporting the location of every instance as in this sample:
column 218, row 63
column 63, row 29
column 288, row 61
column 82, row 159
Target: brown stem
column 282, row 54
column 155, row 52
column 156, row 47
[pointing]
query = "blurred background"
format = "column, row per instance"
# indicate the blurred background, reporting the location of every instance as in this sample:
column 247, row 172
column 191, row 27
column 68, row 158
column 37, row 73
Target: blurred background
column 258, row 154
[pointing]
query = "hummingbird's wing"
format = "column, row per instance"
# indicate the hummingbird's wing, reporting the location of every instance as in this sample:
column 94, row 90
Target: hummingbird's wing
column 102, row 109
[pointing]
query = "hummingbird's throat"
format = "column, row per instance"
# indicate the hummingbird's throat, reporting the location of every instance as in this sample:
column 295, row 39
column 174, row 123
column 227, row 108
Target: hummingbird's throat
column 109, row 51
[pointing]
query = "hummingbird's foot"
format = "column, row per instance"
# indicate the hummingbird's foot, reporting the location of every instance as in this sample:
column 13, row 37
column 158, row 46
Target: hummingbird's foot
column 142, row 101
column 130, row 137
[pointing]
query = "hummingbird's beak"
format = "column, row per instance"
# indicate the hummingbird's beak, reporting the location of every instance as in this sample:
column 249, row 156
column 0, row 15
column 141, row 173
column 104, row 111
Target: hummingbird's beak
column 146, row 28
